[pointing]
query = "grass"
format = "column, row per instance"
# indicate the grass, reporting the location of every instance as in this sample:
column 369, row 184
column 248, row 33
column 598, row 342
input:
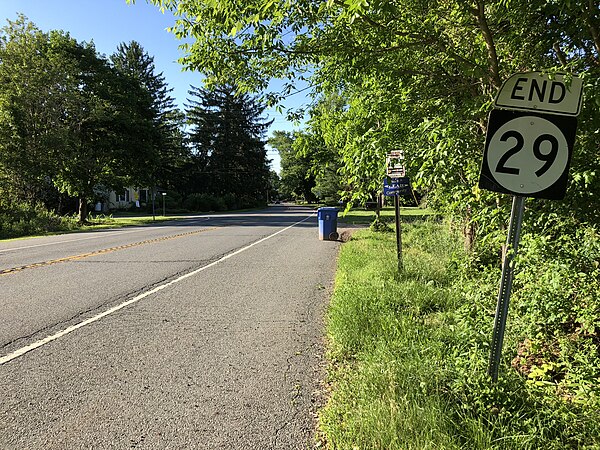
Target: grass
column 100, row 222
column 380, row 357
column 362, row 216
column 408, row 355
column 124, row 221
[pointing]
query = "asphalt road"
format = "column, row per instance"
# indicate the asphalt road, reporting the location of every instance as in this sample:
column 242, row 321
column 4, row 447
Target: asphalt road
column 202, row 333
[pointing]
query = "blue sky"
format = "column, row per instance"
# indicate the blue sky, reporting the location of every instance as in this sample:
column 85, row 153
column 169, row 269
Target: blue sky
column 110, row 22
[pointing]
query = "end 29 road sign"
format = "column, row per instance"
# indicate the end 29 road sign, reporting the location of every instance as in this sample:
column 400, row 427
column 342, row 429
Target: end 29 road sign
column 527, row 153
column 529, row 143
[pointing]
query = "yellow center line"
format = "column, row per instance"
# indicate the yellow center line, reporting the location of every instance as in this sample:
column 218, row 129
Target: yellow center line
column 100, row 252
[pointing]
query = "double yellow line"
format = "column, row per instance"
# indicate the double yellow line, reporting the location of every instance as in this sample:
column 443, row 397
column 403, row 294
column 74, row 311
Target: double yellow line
column 100, row 252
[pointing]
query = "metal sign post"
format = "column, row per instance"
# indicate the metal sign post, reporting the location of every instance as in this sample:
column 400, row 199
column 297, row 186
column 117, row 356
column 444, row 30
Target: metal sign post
column 396, row 186
column 528, row 148
column 512, row 245
column 397, row 172
column 398, row 232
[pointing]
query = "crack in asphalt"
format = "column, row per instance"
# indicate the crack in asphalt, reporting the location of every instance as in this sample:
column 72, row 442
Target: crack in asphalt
column 298, row 388
column 156, row 261
column 298, row 391
column 315, row 347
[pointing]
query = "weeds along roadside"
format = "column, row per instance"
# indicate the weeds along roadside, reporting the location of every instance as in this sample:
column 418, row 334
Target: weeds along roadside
column 408, row 353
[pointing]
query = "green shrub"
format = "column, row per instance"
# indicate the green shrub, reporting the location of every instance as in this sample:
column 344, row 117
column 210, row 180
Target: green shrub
column 24, row 219
column 557, row 314
column 204, row 202
column 231, row 202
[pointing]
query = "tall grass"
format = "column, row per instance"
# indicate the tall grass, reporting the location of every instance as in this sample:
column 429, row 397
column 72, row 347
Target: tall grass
column 363, row 216
column 24, row 219
column 408, row 354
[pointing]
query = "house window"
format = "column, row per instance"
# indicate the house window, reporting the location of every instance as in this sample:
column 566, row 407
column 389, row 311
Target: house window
column 143, row 195
column 124, row 197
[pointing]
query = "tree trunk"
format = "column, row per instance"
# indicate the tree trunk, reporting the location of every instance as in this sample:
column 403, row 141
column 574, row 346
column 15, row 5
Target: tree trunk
column 469, row 232
column 592, row 8
column 83, row 210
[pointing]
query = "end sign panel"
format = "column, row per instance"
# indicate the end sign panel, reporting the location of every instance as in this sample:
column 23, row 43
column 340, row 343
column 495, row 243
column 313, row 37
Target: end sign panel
column 535, row 91
column 530, row 141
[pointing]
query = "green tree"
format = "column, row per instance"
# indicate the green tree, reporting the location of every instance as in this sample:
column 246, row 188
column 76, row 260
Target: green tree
column 274, row 186
column 311, row 159
column 165, row 152
column 109, row 128
column 297, row 180
column 32, row 102
column 227, row 139
column 322, row 143
column 66, row 116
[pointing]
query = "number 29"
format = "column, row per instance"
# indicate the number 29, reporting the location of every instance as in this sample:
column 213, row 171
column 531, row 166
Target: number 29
column 547, row 158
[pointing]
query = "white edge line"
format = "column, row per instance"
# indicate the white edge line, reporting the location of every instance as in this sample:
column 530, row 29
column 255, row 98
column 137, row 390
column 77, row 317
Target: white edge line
column 23, row 350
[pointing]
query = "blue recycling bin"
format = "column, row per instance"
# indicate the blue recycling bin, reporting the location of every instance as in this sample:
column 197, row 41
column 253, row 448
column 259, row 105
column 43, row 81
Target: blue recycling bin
column 327, row 217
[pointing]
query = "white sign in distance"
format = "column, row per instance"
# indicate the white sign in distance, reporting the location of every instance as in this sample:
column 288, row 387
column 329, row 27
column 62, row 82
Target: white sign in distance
column 395, row 164
column 395, row 154
column 527, row 154
column 535, row 91
column 397, row 171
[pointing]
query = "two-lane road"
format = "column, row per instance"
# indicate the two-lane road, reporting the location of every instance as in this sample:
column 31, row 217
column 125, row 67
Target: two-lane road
column 200, row 333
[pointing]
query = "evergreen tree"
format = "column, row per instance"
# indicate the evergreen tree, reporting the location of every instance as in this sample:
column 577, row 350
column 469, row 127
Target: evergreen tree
column 227, row 139
column 154, row 102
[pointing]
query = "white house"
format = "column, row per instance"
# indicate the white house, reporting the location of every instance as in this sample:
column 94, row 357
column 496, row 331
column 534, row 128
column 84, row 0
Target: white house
column 125, row 199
